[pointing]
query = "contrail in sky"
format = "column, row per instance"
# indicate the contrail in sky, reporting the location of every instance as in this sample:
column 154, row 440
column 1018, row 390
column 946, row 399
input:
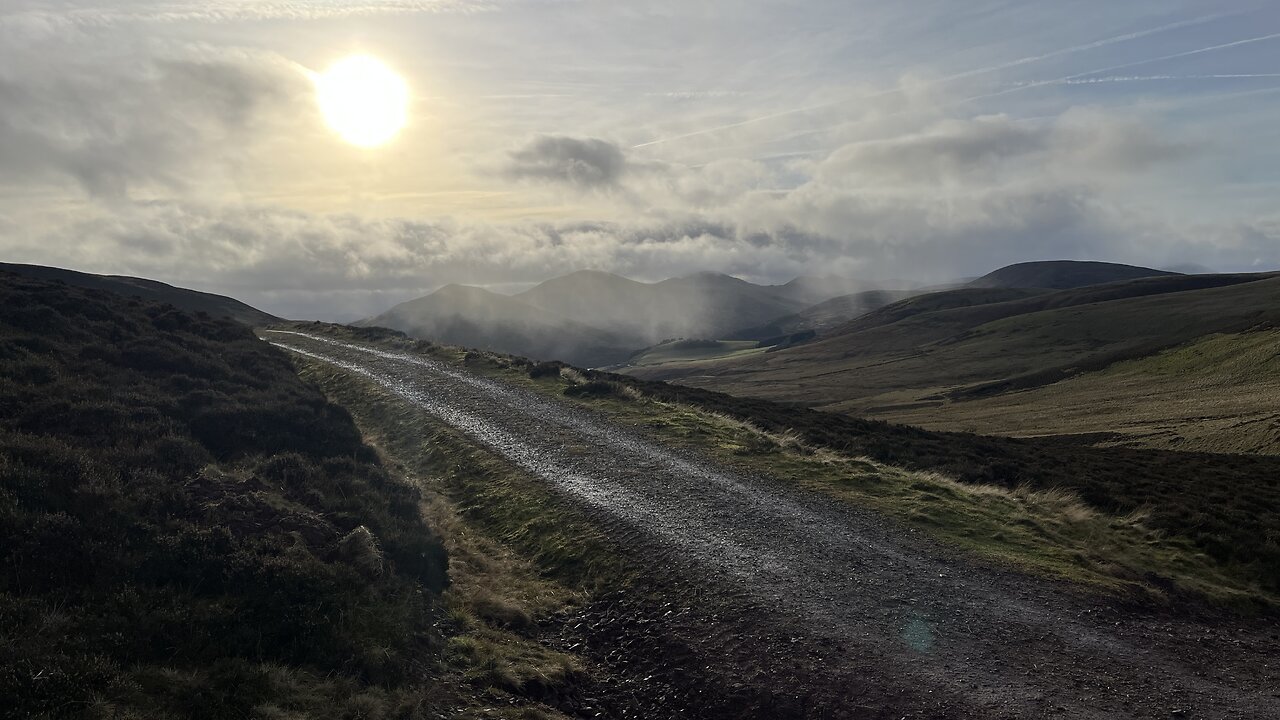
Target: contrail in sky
column 951, row 78
column 1173, row 56
column 1153, row 78
column 1083, row 78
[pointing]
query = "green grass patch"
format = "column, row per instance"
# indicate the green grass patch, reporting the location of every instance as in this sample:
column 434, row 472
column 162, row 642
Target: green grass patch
column 1224, row 359
column 1050, row 532
column 694, row 351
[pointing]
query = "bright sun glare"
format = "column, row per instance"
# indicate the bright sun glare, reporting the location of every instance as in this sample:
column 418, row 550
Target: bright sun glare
column 363, row 100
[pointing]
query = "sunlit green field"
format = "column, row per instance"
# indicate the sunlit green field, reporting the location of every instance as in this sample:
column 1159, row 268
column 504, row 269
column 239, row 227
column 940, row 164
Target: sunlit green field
column 683, row 351
column 1220, row 393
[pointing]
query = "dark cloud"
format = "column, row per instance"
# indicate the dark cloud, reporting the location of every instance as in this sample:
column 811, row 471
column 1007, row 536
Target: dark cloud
column 585, row 163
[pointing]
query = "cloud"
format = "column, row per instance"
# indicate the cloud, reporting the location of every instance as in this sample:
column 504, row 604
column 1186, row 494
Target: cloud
column 949, row 148
column 1007, row 65
column 33, row 18
column 1081, row 141
column 585, row 163
column 1109, row 142
column 344, row 266
column 165, row 154
column 150, row 121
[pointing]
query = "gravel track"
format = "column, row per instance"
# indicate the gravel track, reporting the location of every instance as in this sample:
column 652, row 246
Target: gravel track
column 954, row 639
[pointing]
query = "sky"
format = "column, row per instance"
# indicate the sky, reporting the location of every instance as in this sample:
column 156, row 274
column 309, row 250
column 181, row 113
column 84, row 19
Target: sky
column 878, row 140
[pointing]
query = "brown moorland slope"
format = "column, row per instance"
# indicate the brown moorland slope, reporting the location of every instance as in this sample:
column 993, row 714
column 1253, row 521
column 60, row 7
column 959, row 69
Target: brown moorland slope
column 187, row 529
column 896, row 358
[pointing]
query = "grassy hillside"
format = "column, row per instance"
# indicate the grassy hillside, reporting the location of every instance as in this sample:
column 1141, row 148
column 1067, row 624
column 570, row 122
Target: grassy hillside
column 181, row 298
column 693, row 351
column 1214, row 394
column 821, row 317
column 956, row 299
column 875, row 365
column 1063, row 274
column 189, row 530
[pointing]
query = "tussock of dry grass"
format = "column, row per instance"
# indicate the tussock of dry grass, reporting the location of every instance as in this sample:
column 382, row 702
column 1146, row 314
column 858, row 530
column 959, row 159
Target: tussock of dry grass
column 498, row 595
column 573, row 376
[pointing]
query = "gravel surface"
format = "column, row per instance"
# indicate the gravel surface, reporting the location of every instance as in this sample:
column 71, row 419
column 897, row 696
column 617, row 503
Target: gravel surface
column 886, row 623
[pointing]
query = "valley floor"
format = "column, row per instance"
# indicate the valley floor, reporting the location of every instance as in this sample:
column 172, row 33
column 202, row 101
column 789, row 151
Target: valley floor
column 845, row 612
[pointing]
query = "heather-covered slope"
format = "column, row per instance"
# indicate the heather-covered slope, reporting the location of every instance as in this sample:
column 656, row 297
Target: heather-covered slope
column 181, row 298
column 187, row 529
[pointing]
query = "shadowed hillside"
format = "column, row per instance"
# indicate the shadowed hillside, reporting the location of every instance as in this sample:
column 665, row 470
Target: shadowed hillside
column 189, row 530
column 704, row 305
column 181, row 298
column 592, row 318
column 1063, row 274
column 932, row 302
column 822, row 316
column 815, row 289
column 475, row 317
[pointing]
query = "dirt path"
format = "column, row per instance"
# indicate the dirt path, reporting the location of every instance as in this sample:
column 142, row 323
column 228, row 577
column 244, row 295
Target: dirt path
column 897, row 617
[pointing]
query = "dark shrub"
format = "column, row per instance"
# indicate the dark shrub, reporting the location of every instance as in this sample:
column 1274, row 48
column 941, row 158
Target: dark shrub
column 596, row 388
column 545, row 369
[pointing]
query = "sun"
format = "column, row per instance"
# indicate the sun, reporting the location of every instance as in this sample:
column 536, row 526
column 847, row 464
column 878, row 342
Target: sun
column 363, row 100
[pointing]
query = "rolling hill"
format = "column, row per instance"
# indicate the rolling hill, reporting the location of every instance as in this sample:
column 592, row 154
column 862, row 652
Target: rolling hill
column 181, row 298
column 475, row 317
column 814, row 289
column 685, row 351
column 930, row 356
column 703, row 305
column 1063, row 274
column 1214, row 394
column 890, row 313
column 821, row 316
column 590, row 318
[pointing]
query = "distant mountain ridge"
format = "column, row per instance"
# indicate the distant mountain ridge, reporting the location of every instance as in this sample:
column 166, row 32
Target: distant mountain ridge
column 181, row 298
column 702, row 305
column 1063, row 274
column 822, row 316
column 595, row 318
column 475, row 317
